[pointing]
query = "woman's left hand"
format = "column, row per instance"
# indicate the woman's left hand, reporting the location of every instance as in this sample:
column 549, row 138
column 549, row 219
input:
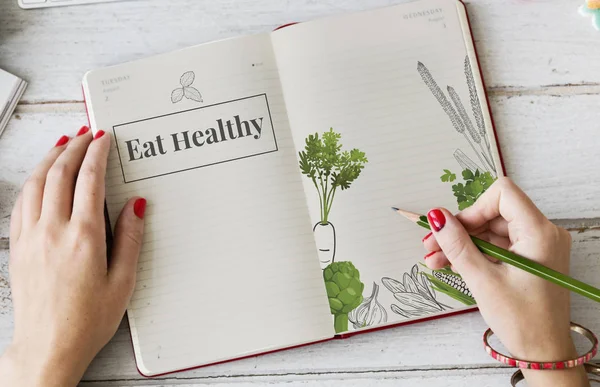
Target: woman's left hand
column 68, row 298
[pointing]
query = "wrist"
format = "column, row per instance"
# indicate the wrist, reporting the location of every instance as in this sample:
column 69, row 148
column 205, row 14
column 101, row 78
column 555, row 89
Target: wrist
column 20, row 367
column 571, row 377
column 556, row 348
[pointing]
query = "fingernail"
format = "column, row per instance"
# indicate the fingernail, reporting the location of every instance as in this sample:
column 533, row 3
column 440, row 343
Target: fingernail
column 139, row 208
column 84, row 129
column 426, row 237
column 99, row 134
column 430, row 254
column 62, row 141
column 436, row 219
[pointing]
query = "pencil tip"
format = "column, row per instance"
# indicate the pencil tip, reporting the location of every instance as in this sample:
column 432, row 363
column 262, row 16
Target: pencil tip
column 409, row 215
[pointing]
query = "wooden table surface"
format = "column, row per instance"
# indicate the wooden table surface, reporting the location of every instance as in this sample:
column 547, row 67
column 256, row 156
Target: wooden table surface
column 540, row 60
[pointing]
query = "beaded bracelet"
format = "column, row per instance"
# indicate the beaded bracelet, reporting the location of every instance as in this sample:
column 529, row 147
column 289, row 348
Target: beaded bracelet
column 545, row 365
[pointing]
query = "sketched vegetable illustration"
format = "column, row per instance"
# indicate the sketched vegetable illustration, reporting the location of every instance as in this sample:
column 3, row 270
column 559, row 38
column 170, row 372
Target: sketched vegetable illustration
column 464, row 161
column 415, row 294
column 186, row 90
column 450, row 283
column 475, row 184
column 460, row 119
column 329, row 168
column 344, row 290
column 370, row 312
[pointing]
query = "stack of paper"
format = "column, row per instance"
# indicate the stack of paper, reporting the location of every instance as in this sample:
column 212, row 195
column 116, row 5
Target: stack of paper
column 11, row 90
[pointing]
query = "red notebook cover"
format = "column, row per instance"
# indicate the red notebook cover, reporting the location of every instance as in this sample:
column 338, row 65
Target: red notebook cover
column 362, row 331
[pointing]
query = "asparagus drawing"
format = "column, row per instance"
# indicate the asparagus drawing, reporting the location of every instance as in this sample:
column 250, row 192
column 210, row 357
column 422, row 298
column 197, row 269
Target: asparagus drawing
column 476, row 106
column 458, row 115
column 469, row 125
column 441, row 97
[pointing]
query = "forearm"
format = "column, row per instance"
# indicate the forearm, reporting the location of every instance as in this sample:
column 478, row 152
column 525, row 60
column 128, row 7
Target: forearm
column 19, row 369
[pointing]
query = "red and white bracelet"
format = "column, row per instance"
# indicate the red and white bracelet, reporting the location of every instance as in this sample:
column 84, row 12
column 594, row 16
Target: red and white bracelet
column 502, row 358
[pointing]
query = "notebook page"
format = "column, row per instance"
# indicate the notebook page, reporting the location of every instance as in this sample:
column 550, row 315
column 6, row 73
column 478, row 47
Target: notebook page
column 228, row 265
column 380, row 80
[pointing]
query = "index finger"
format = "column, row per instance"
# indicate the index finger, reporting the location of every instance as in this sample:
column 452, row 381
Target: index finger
column 503, row 199
column 88, row 201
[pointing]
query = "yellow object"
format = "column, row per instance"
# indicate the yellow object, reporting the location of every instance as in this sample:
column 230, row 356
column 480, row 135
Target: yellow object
column 593, row 4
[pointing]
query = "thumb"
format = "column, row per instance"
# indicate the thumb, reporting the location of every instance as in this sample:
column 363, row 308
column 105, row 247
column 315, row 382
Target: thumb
column 127, row 245
column 458, row 247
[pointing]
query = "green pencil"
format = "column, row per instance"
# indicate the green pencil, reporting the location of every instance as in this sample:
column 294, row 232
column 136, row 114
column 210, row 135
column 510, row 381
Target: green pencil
column 516, row 260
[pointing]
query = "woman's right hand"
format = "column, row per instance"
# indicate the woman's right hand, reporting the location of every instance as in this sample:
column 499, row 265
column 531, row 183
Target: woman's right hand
column 530, row 316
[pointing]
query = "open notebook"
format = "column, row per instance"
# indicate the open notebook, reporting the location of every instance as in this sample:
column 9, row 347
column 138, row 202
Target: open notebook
column 11, row 90
column 270, row 163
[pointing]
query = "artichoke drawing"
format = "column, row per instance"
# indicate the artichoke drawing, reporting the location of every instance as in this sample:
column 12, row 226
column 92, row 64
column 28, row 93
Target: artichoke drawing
column 344, row 290
column 415, row 294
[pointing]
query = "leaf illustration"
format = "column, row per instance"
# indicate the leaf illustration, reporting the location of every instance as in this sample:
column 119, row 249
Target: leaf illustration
column 392, row 285
column 192, row 93
column 396, row 309
column 427, row 285
column 418, row 302
column 187, row 78
column 448, row 176
column 410, row 284
column 177, row 95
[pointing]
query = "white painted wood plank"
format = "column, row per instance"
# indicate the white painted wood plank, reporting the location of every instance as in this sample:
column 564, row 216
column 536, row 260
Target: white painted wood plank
column 446, row 378
column 453, row 342
column 521, row 44
column 549, row 146
column 550, row 149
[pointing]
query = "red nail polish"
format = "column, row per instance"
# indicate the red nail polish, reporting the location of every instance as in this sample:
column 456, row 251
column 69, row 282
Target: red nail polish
column 139, row 208
column 430, row 254
column 426, row 237
column 99, row 134
column 62, row 141
column 437, row 220
column 84, row 129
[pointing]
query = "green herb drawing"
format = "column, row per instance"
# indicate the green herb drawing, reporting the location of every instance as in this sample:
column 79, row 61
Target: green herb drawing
column 344, row 290
column 448, row 176
column 475, row 184
column 451, row 284
column 330, row 169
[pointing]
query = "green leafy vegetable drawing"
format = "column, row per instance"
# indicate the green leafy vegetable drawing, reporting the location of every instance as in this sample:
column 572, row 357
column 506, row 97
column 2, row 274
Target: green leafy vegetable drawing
column 451, row 284
column 448, row 176
column 344, row 290
column 329, row 168
column 475, row 184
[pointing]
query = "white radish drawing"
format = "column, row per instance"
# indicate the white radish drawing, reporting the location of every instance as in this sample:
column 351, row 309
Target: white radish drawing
column 329, row 167
column 325, row 239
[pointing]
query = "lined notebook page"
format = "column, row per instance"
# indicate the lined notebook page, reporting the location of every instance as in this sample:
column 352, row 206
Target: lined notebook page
column 359, row 74
column 228, row 265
